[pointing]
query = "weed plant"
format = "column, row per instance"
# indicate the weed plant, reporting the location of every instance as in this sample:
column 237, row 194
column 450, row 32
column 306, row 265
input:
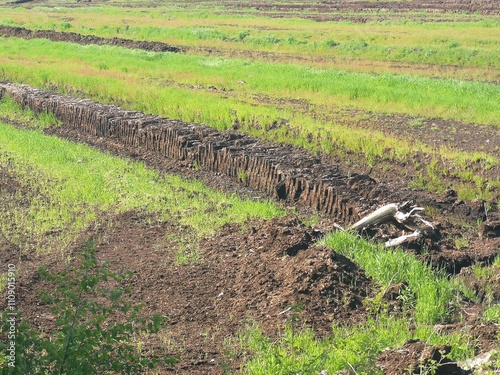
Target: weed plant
column 85, row 341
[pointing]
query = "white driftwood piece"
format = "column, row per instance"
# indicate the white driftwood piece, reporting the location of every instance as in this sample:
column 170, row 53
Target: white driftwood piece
column 381, row 215
column 402, row 239
column 391, row 211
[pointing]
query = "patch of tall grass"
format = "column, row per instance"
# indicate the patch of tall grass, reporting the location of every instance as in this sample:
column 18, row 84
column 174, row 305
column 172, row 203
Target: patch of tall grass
column 163, row 84
column 440, row 43
column 432, row 292
column 353, row 349
column 465, row 101
column 431, row 295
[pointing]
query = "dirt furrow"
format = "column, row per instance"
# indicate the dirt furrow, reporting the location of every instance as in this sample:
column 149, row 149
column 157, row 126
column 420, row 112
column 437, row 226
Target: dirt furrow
column 281, row 172
column 324, row 10
column 326, row 7
column 57, row 36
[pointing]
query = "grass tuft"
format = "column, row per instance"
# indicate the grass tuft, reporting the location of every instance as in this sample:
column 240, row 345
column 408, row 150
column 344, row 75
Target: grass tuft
column 435, row 292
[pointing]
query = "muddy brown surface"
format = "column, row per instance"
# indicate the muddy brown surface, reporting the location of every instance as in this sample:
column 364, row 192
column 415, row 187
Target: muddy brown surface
column 416, row 357
column 320, row 11
column 272, row 273
column 326, row 10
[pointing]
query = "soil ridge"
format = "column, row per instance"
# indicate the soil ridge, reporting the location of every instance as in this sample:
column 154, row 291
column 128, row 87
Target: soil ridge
column 71, row 37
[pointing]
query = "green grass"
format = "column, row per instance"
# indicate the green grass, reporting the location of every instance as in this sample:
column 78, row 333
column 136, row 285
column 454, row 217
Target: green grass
column 347, row 348
column 443, row 43
column 492, row 314
column 71, row 185
column 433, row 294
column 431, row 298
column 163, row 84
column 418, row 96
column 10, row 111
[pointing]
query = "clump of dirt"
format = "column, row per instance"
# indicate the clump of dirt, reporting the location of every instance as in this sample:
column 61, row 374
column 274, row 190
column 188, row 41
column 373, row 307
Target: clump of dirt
column 279, row 272
column 416, row 357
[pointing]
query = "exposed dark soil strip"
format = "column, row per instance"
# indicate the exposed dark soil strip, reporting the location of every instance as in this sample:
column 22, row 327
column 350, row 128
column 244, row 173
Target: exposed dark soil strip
column 300, row 8
column 325, row 10
column 71, row 37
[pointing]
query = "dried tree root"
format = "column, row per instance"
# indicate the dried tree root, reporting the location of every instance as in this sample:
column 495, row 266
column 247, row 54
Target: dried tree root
column 394, row 212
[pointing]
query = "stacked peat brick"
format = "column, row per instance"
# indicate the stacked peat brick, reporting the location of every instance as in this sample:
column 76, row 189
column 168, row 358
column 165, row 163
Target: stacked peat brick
column 280, row 171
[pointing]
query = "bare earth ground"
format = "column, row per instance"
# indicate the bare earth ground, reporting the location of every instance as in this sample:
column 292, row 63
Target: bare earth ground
column 257, row 272
column 246, row 275
column 321, row 10
column 251, row 273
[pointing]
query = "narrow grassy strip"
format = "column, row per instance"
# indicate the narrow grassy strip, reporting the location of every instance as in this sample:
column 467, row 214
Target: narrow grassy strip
column 341, row 45
column 299, row 351
column 76, row 185
column 434, row 293
column 419, row 96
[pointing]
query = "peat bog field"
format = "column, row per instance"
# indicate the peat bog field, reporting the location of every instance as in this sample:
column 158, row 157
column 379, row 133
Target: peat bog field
column 250, row 187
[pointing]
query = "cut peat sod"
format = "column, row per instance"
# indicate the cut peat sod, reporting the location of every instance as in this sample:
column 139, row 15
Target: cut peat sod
column 281, row 172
